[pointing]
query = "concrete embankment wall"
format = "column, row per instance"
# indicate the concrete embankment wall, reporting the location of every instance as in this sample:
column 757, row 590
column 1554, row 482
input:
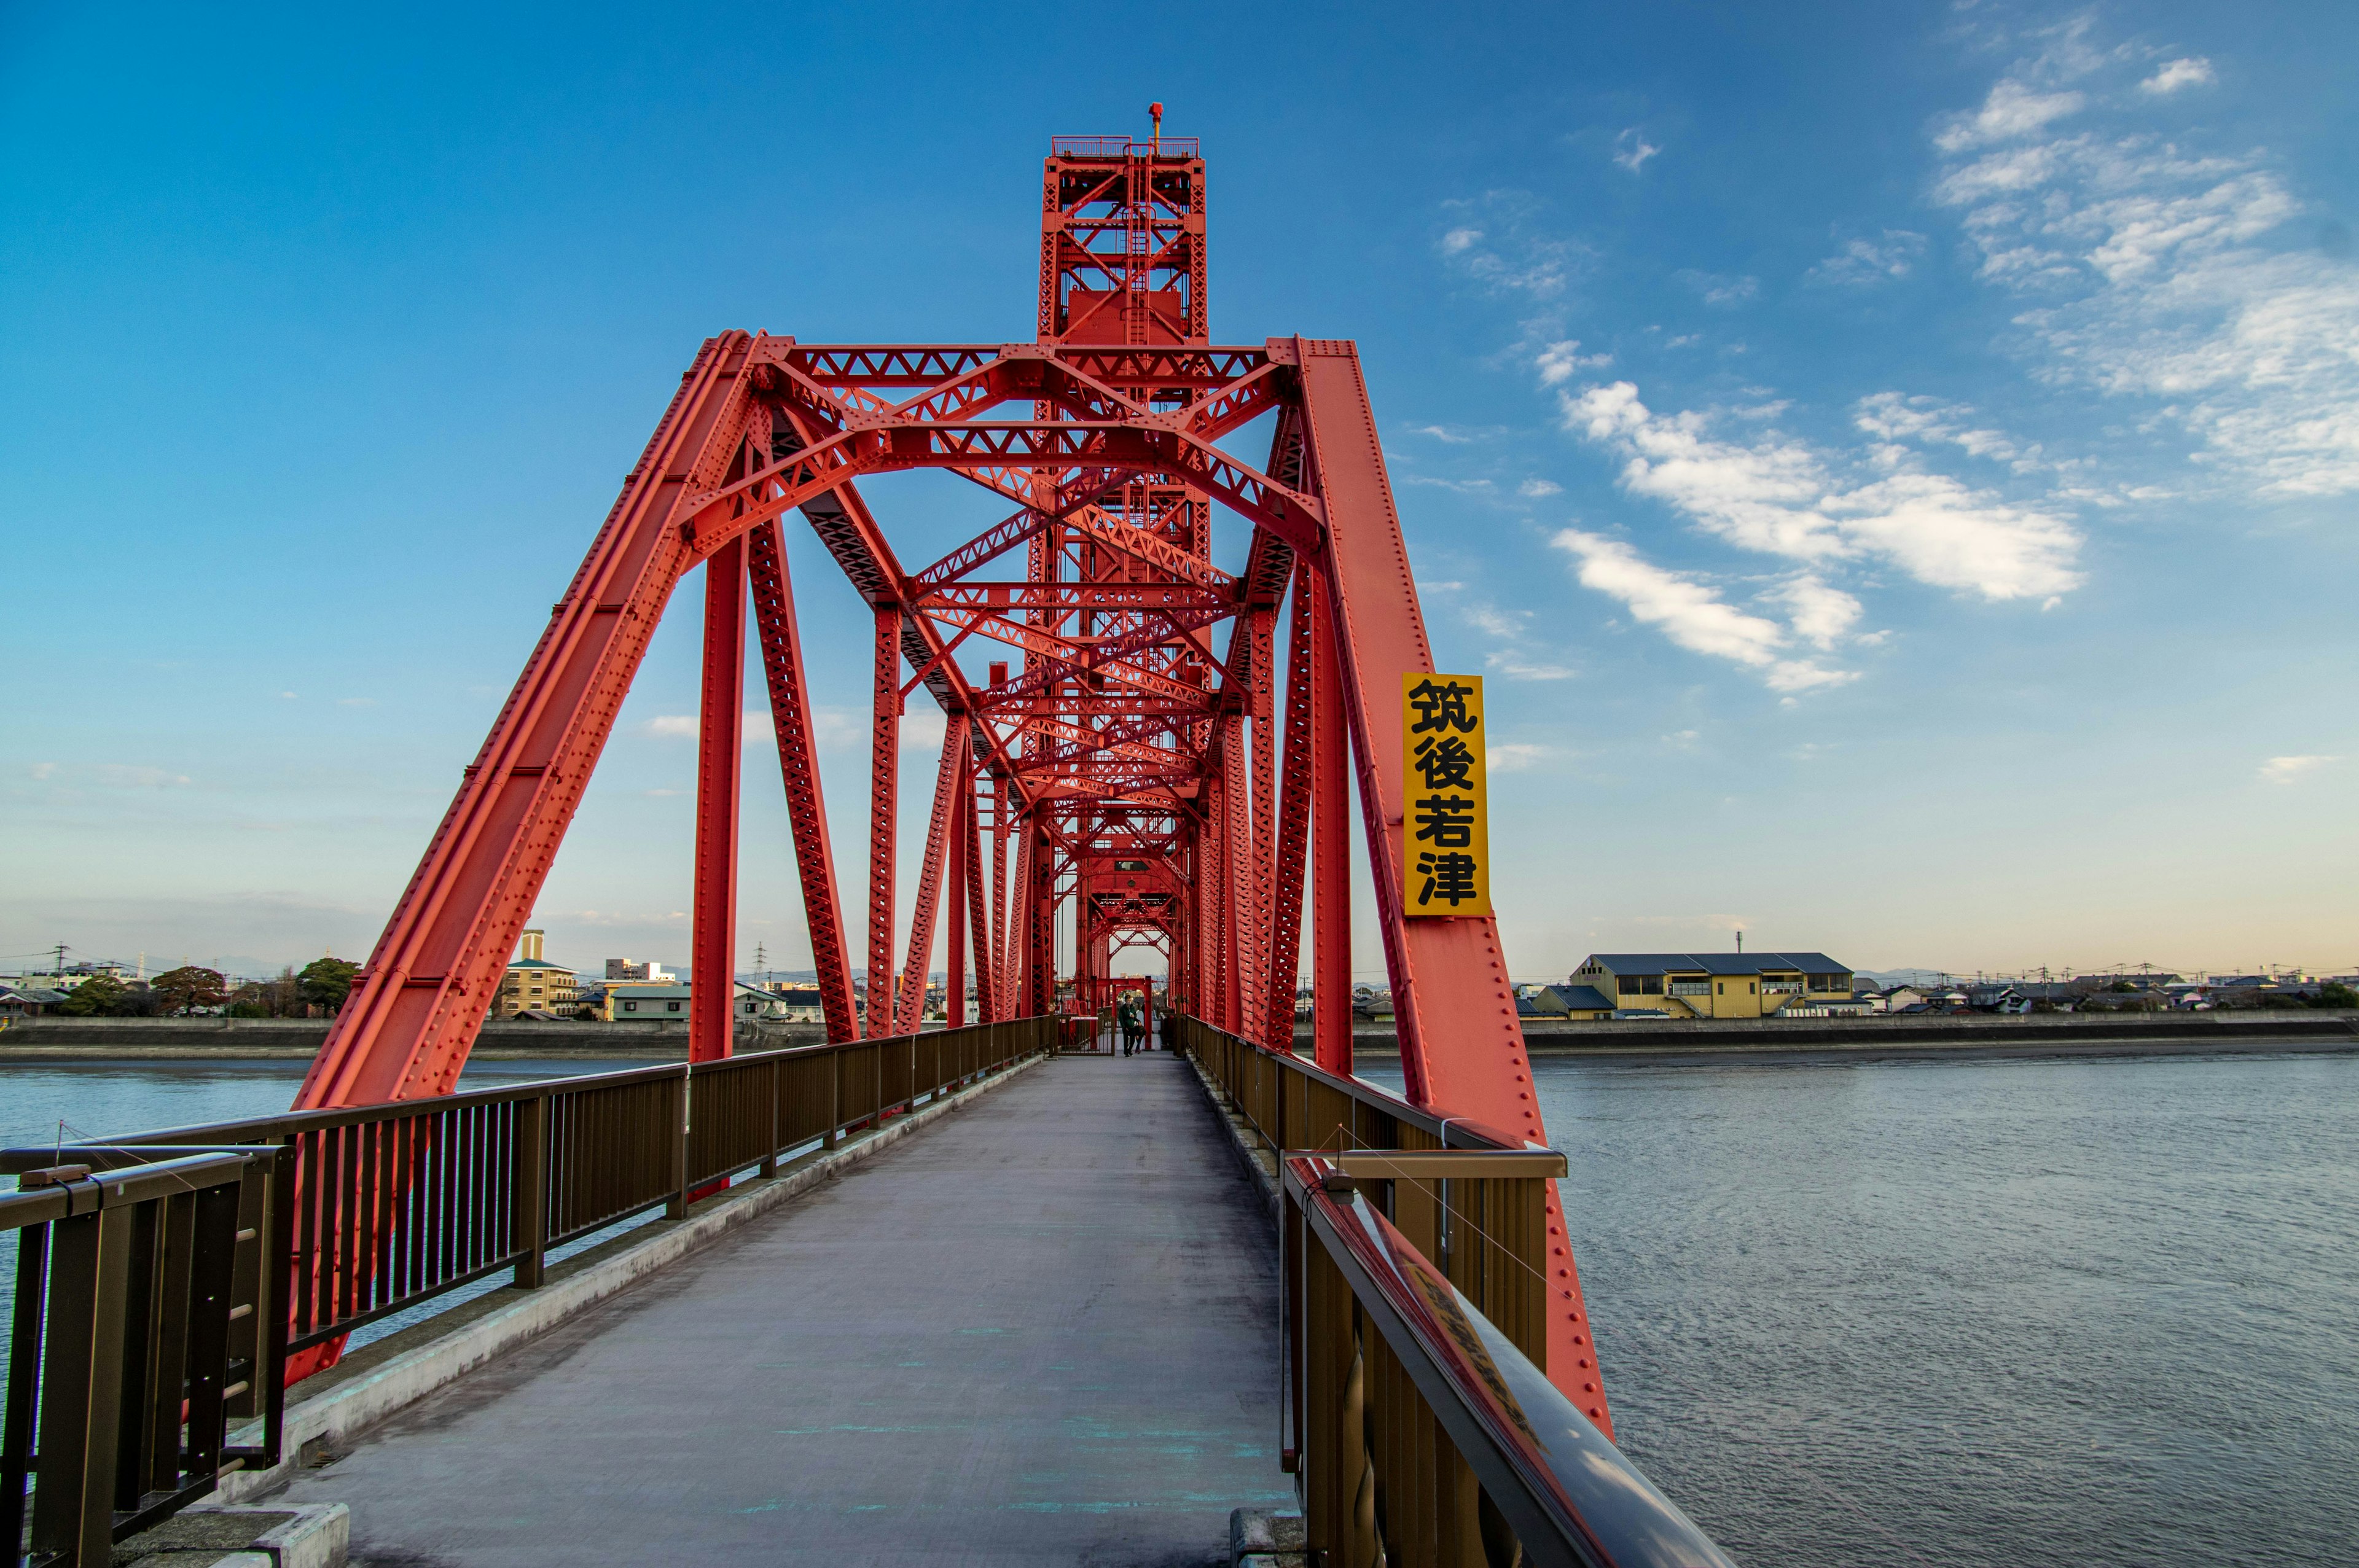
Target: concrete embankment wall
column 2095, row 1033
column 131, row 1039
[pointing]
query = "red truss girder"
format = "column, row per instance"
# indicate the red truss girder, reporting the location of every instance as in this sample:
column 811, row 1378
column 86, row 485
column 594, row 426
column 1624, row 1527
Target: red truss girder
column 1122, row 760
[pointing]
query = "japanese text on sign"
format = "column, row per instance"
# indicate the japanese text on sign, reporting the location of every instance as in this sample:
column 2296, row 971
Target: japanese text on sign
column 1445, row 830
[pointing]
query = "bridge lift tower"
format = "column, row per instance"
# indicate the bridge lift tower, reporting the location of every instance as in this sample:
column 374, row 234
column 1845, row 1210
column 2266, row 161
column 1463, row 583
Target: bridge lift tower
column 1119, row 754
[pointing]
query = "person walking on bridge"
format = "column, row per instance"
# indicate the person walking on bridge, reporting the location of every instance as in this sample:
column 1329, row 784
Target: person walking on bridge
column 1128, row 1014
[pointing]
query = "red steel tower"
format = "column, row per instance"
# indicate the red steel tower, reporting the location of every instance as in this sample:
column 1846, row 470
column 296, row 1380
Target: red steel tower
column 1121, row 759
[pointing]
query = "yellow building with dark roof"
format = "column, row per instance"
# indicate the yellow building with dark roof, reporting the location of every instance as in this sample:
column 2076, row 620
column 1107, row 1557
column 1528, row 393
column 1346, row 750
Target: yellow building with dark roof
column 533, row 984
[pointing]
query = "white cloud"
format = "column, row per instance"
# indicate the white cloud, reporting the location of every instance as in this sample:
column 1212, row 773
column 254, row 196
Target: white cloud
column 1782, row 497
column 287, row 697
column 1719, row 290
column 1506, row 254
column 1538, row 488
column 2013, row 109
column 1515, row 757
column 1515, row 666
column 1690, row 613
column 2151, row 270
column 1632, row 150
column 1821, row 616
column 2288, row 770
column 43, row 770
column 2195, row 71
column 1442, row 433
column 118, row 775
column 1559, row 362
column 676, row 726
column 1864, row 262
column 922, row 726
column 1897, row 417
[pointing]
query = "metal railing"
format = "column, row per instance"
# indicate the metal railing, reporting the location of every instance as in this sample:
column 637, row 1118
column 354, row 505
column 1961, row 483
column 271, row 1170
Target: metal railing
column 149, row 1313
column 379, row 1208
column 1424, row 1434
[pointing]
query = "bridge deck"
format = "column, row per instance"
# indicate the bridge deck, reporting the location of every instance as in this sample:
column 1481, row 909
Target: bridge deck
column 1043, row 1330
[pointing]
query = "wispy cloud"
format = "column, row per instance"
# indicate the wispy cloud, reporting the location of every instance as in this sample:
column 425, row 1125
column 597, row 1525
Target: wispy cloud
column 1690, row 613
column 1781, row 496
column 1632, row 149
column 1560, row 362
column 2292, row 770
column 2193, row 71
column 1719, row 290
column 1861, row 263
column 1448, row 435
column 1503, row 247
column 1537, row 489
column 121, row 775
column 1515, row 757
column 675, row 726
column 2151, row 269
column 2013, row 109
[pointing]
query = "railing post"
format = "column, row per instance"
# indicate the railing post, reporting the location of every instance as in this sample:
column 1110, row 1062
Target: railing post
column 834, row 1098
column 676, row 1206
column 81, row 1388
column 531, row 1189
column 776, row 1076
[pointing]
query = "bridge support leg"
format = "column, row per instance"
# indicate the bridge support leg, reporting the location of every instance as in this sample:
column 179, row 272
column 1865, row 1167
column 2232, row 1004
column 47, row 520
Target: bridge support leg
column 1461, row 1048
column 720, row 764
column 909, row 1011
column 956, row 871
column 790, row 717
column 1293, row 820
column 884, row 787
column 1330, row 845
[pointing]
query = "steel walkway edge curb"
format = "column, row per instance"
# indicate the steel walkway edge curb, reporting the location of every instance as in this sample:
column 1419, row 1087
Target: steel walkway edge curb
column 349, row 1407
column 1249, row 1145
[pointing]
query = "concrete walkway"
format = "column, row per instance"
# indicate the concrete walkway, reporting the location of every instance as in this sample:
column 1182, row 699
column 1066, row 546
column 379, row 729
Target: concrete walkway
column 1042, row 1332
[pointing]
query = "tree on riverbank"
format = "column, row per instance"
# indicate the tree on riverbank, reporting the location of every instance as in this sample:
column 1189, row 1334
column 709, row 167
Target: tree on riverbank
column 190, row 986
column 104, row 996
column 327, row 981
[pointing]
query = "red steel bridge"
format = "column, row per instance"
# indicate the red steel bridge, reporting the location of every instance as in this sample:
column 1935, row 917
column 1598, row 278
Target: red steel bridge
column 1120, row 750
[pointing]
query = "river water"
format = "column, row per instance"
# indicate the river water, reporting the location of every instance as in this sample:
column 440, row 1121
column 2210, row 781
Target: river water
column 2088, row 1313
column 2098, row 1313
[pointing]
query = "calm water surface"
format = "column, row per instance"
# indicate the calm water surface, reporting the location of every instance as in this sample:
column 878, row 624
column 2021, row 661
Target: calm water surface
column 2100, row 1312
column 2003, row 1313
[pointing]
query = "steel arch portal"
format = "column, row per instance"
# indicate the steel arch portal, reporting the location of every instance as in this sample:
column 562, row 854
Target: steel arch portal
column 1118, row 760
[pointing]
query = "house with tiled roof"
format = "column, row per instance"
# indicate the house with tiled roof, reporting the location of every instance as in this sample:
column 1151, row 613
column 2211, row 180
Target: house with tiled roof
column 1716, row 985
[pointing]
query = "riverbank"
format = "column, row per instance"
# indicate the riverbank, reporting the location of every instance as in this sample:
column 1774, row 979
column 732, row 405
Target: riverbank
column 1672, row 1043
column 1661, row 1041
column 297, row 1039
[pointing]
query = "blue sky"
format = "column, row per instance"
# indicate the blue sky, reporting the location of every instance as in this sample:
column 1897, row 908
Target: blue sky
column 1897, row 465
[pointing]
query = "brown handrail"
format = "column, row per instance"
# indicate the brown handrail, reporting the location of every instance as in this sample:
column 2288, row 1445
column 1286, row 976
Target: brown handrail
column 397, row 1203
column 149, row 1313
column 1422, row 1430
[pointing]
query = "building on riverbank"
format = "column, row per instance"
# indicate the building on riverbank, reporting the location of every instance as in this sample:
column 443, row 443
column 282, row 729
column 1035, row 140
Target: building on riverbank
column 533, row 984
column 1718, row 985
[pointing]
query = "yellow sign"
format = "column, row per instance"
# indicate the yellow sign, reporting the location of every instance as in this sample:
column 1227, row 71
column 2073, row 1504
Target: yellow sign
column 1446, row 829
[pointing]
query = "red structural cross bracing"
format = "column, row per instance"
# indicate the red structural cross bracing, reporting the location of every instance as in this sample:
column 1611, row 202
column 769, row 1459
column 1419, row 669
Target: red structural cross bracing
column 1120, row 765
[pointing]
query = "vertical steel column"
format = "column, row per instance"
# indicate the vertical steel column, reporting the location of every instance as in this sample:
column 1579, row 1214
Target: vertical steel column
column 970, row 849
column 955, row 919
column 947, row 776
column 1003, row 963
column 1293, row 816
column 790, row 717
column 1330, row 845
column 1252, row 970
column 720, row 765
column 1235, row 897
column 1462, row 1046
column 884, row 788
